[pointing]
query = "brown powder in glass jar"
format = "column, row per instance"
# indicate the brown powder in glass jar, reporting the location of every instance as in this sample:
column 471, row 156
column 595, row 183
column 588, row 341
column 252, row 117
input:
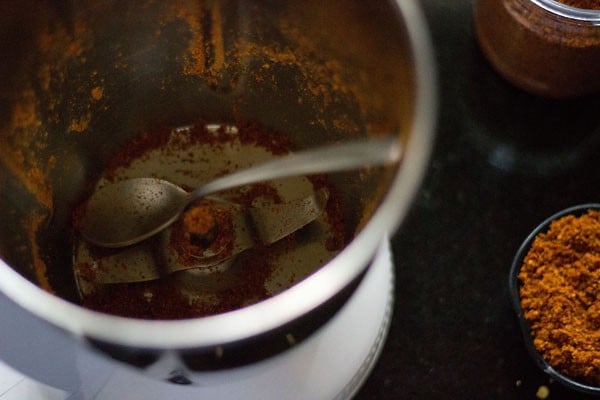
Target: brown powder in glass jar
column 543, row 52
column 560, row 295
column 585, row 4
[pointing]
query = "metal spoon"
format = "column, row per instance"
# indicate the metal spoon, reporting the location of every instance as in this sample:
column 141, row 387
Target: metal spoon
column 132, row 210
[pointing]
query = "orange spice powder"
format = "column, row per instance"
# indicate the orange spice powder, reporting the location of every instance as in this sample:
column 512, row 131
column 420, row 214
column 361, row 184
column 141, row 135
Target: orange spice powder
column 32, row 226
column 97, row 92
column 199, row 220
column 204, row 226
column 560, row 295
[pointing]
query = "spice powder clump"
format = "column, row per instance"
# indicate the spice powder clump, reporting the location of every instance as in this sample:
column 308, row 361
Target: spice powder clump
column 205, row 226
column 584, row 4
column 560, row 295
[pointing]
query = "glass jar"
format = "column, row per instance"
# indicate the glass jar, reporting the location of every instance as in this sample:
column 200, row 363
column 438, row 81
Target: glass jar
column 542, row 46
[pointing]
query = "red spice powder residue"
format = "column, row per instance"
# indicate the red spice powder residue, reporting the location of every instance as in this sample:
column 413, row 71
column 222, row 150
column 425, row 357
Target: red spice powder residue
column 253, row 133
column 163, row 299
column 97, row 92
column 206, row 226
column 142, row 144
column 334, row 212
column 147, row 300
column 248, row 133
column 584, row 4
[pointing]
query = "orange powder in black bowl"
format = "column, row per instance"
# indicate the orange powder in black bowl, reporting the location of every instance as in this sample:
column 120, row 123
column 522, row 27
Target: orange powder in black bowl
column 560, row 295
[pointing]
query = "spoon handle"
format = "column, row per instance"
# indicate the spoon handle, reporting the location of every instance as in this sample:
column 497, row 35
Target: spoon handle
column 333, row 158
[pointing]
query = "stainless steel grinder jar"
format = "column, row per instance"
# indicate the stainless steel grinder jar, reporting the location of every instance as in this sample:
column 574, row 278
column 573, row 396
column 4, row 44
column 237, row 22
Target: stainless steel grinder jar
column 80, row 79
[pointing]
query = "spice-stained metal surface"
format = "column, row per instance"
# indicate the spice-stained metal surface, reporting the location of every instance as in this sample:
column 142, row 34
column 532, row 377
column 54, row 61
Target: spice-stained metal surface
column 82, row 79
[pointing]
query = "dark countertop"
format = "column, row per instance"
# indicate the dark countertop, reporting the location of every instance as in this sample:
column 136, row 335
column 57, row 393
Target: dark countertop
column 503, row 162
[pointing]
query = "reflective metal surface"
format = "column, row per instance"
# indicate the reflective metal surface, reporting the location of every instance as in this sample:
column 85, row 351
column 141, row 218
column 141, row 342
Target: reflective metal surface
column 81, row 79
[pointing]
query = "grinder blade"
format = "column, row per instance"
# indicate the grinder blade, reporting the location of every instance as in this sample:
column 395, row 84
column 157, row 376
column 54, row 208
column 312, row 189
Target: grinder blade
column 161, row 256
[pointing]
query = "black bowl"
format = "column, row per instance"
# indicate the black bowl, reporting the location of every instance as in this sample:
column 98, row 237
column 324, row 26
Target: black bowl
column 516, row 300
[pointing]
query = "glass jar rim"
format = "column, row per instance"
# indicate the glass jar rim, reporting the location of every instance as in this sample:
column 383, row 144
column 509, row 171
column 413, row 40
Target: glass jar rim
column 567, row 11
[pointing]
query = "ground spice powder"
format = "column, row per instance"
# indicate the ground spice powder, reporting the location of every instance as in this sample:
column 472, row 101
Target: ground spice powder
column 543, row 52
column 205, row 226
column 585, row 4
column 560, row 295
column 191, row 237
